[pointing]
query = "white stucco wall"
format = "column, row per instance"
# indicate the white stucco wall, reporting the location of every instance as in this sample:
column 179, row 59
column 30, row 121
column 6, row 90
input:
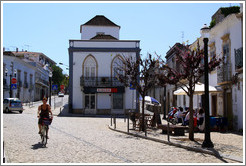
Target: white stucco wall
column 104, row 44
column 230, row 25
column 130, row 98
column 18, row 64
column 90, row 31
column 104, row 60
column 103, row 101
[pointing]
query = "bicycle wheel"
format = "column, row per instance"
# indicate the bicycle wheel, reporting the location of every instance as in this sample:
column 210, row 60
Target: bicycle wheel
column 44, row 135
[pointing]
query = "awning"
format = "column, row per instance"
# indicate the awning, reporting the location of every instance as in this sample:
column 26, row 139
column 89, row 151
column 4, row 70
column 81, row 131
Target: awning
column 199, row 90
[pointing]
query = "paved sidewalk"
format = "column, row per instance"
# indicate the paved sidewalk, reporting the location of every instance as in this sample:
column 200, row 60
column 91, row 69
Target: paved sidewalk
column 226, row 145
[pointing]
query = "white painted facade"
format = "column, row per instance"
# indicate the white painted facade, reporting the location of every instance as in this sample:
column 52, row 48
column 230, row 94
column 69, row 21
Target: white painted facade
column 229, row 101
column 230, row 32
column 89, row 31
column 24, row 93
column 91, row 63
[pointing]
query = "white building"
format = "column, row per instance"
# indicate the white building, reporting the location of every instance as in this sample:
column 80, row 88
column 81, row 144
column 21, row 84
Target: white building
column 94, row 88
column 226, row 40
column 30, row 87
column 25, row 75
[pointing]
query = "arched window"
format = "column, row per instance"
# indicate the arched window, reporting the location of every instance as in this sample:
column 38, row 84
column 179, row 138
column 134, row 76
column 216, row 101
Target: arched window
column 90, row 66
column 117, row 64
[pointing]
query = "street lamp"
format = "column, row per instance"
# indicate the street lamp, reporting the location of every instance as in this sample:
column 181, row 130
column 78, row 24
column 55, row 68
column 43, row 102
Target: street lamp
column 50, row 76
column 207, row 143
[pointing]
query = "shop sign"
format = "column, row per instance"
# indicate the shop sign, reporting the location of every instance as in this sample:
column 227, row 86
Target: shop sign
column 106, row 90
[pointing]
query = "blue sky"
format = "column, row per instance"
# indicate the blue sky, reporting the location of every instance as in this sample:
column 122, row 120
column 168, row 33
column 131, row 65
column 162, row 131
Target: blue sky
column 47, row 27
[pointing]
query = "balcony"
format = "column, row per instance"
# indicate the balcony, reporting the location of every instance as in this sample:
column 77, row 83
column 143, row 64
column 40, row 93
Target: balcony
column 100, row 82
column 238, row 59
column 224, row 74
column 38, row 80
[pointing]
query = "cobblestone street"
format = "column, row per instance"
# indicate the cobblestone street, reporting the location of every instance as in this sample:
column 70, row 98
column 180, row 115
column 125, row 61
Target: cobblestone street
column 85, row 140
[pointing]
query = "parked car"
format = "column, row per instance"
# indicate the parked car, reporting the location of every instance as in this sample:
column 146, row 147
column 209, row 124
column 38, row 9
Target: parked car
column 12, row 104
column 60, row 94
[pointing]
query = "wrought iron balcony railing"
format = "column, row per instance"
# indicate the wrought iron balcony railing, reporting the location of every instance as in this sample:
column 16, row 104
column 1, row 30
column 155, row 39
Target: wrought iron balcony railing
column 238, row 58
column 39, row 80
column 224, row 74
column 100, row 82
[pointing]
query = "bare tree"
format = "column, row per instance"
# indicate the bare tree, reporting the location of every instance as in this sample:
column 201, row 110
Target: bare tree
column 141, row 74
column 191, row 69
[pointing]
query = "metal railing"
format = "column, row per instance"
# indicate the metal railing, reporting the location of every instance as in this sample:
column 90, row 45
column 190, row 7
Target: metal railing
column 100, row 81
column 224, row 73
column 39, row 80
column 238, row 58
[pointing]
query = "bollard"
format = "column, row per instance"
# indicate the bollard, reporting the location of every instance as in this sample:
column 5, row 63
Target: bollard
column 114, row 122
column 124, row 116
column 128, row 123
column 111, row 119
column 168, row 132
column 145, row 127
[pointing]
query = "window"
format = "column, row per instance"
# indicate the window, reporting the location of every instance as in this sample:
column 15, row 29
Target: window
column 90, row 67
column 100, row 33
column 117, row 101
column 25, row 77
column 116, row 66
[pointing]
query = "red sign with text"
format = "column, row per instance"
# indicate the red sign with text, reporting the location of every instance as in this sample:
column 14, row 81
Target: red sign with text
column 62, row 86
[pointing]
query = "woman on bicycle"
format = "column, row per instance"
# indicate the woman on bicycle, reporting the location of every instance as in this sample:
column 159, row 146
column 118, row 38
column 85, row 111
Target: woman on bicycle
column 43, row 112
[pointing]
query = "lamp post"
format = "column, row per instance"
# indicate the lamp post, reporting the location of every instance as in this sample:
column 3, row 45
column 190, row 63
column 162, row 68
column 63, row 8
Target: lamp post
column 207, row 143
column 50, row 76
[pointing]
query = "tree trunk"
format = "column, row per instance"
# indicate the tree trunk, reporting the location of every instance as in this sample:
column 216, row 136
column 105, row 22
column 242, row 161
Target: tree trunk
column 191, row 121
column 142, row 124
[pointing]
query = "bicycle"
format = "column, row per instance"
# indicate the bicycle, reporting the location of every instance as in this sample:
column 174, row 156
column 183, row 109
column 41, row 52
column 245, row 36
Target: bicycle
column 44, row 130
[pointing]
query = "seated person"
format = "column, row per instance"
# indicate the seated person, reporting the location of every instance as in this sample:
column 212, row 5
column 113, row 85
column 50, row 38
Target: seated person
column 200, row 119
column 187, row 118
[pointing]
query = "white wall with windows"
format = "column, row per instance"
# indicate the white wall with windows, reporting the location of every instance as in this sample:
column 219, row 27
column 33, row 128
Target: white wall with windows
column 25, row 75
column 227, row 37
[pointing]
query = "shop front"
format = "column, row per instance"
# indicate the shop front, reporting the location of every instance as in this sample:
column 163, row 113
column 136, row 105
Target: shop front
column 104, row 100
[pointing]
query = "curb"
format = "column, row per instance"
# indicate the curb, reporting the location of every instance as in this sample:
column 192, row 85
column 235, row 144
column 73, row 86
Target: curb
column 200, row 150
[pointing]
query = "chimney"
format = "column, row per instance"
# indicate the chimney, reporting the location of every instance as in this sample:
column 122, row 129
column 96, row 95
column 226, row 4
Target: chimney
column 16, row 49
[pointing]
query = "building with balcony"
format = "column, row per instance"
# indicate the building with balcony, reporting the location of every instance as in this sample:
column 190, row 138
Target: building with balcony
column 226, row 41
column 25, row 75
column 30, row 87
column 93, row 62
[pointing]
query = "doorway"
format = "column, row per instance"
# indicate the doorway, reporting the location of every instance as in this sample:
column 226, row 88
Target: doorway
column 90, row 104
column 214, row 105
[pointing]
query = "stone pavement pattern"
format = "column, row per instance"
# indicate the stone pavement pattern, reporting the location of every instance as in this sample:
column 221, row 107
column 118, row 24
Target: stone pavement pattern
column 86, row 140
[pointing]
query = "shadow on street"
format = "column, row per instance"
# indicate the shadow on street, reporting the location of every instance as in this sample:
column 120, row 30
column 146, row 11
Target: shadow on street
column 37, row 146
